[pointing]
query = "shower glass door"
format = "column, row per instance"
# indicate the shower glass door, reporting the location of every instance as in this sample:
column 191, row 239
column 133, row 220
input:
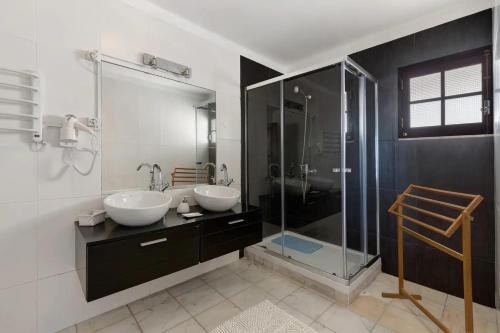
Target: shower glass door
column 263, row 160
column 312, row 161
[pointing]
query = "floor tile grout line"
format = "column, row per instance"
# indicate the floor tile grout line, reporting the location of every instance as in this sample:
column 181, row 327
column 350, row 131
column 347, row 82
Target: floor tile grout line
column 249, row 285
column 319, row 316
column 167, row 290
column 441, row 317
column 194, row 316
column 256, row 286
column 135, row 319
column 386, row 304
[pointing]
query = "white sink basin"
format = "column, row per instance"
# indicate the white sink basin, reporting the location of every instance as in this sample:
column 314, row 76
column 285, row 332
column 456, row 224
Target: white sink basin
column 216, row 198
column 137, row 208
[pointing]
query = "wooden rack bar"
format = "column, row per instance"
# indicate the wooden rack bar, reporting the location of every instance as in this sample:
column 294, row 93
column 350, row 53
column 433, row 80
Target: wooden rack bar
column 463, row 220
column 420, row 223
column 437, row 202
column 426, row 212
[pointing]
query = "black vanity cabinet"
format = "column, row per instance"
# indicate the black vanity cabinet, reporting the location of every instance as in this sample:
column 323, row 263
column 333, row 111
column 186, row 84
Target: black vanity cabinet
column 116, row 265
column 111, row 258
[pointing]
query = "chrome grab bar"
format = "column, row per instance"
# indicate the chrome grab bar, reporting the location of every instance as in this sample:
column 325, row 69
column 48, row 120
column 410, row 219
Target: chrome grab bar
column 156, row 241
column 235, row 221
column 18, row 72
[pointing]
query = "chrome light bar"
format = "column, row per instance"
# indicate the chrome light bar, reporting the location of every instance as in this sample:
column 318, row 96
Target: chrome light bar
column 166, row 65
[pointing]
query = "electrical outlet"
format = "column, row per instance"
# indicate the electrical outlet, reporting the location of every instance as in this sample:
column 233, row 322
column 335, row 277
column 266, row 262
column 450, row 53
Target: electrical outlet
column 93, row 122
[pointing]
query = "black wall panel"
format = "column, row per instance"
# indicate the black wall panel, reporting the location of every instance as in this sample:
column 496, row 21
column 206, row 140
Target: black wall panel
column 459, row 164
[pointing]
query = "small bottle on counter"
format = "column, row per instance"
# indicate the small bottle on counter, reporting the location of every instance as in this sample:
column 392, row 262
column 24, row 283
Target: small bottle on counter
column 183, row 206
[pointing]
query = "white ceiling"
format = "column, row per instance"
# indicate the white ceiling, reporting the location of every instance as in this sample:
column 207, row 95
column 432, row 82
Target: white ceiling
column 289, row 32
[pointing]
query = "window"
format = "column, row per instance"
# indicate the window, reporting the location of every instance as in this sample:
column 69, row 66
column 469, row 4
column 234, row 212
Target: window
column 447, row 96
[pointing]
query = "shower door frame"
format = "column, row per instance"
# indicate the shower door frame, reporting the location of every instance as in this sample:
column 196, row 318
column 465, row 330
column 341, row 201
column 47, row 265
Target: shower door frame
column 363, row 75
column 346, row 64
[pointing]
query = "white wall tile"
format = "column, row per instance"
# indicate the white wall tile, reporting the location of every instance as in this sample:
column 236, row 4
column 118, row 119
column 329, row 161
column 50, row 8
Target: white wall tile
column 68, row 81
column 119, row 167
column 124, row 31
column 17, row 53
column 172, row 43
column 54, row 177
column 228, row 151
column 18, row 18
column 69, row 23
column 58, row 180
column 18, row 235
column 18, row 309
column 56, row 233
column 18, row 174
column 227, row 66
column 228, row 116
column 61, row 303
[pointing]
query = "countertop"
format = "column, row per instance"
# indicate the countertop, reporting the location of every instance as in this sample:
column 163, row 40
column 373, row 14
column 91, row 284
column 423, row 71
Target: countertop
column 111, row 231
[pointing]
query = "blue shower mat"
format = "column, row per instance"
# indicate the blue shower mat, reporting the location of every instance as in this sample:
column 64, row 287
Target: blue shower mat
column 298, row 244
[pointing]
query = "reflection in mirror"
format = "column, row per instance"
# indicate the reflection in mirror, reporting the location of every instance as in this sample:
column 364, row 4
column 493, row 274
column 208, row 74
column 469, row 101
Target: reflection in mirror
column 154, row 120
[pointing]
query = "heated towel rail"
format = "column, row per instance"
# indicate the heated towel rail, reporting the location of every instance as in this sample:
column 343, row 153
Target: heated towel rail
column 35, row 117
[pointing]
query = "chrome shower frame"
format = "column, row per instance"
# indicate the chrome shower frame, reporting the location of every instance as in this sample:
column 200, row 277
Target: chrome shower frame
column 347, row 64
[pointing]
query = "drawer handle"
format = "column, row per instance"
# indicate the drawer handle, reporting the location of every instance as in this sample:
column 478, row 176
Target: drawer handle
column 236, row 221
column 156, row 241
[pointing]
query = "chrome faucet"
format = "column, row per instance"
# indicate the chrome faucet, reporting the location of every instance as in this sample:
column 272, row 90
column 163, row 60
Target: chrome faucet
column 154, row 185
column 206, row 166
column 226, row 181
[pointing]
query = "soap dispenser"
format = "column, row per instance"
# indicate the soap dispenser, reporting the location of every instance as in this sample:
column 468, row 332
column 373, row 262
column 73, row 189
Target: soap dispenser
column 183, row 206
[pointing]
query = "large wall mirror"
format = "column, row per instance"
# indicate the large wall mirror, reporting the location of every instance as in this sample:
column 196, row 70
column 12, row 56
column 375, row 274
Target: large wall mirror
column 147, row 118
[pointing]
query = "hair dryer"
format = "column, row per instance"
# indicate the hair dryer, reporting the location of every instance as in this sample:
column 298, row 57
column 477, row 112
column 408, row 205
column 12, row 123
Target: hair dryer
column 68, row 135
column 68, row 138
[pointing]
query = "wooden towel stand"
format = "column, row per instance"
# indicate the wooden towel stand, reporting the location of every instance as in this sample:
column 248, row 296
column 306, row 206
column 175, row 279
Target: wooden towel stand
column 462, row 220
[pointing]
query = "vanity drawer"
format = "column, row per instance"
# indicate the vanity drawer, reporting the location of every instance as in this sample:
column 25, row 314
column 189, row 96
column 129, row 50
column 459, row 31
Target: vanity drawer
column 224, row 224
column 231, row 237
column 122, row 264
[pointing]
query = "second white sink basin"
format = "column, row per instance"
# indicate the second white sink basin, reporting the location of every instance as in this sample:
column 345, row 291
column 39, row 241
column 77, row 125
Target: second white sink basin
column 216, row 198
column 137, row 208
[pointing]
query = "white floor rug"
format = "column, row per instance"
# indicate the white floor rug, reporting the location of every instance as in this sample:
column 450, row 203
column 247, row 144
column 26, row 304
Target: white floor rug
column 264, row 317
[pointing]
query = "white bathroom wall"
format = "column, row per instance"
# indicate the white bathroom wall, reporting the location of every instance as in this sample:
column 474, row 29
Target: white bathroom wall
column 39, row 196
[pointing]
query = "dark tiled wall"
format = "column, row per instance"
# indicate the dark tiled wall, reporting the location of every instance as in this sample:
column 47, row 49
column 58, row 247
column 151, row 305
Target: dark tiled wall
column 460, row 164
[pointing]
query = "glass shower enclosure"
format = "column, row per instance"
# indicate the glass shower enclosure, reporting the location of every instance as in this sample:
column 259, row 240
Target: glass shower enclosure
column 311, row 164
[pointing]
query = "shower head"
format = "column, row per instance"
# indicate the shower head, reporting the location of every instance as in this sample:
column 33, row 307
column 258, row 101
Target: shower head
column 297, row 90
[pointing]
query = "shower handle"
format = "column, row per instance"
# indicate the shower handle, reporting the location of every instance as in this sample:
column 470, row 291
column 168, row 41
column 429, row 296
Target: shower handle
column 339, row 170
column 304, row 168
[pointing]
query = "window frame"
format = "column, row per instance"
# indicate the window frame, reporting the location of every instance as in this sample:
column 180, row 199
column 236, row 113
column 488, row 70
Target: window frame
column 440, row 65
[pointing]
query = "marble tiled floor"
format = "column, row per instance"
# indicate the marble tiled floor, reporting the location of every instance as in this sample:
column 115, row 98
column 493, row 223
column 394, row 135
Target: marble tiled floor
column 199, row 305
